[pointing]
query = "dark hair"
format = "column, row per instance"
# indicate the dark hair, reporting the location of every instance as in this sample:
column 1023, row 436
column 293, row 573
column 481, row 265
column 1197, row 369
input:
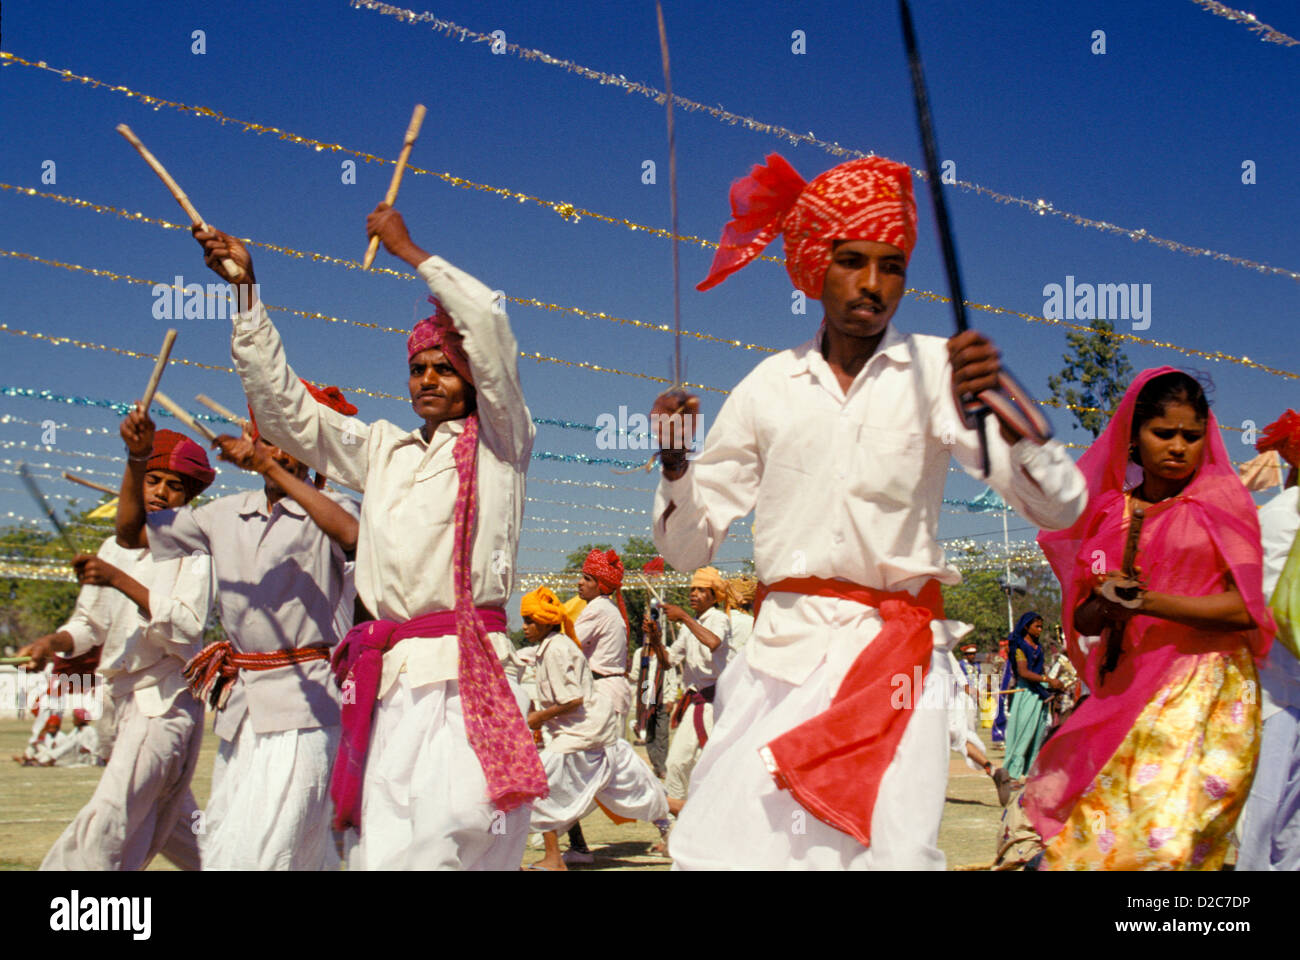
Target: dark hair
column 1158, row 394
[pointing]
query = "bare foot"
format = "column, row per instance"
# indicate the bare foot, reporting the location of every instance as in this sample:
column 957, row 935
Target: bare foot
column 555, row 865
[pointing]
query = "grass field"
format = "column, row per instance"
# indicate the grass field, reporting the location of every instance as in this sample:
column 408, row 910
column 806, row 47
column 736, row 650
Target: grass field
column 36, row 803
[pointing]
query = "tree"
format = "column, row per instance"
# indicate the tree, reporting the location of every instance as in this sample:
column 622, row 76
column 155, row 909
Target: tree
column 981, row 602
column 636, row 553
column 1097, row 364
column 34, row 607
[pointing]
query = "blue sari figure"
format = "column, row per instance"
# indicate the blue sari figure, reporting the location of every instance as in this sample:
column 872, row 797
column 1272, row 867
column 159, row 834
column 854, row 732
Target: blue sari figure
column 999, row 733
column 1009, row 675
column 1027, row 715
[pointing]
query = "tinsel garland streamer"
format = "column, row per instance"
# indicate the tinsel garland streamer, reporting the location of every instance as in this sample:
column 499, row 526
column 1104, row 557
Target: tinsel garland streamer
column 311, row 315
column 1248, row 20
column 123, row 408
column 1039, row 206
column 597, row 368
column 571, row 213
column 355, row 265
column 59, row 398
column 567, row 211
column 923, row 296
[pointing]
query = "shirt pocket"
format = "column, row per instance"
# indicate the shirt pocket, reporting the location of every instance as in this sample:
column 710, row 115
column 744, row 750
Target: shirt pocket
column 887, row 466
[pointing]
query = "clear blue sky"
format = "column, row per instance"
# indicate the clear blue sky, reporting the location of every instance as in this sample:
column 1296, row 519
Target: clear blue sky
column 1150, row 135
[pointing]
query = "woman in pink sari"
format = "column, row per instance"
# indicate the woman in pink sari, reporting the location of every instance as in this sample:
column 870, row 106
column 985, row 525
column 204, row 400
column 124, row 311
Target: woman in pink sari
column 1152, row 769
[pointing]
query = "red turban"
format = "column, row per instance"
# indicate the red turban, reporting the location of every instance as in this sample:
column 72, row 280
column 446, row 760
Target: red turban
column 866, row 199
column 331, row 397
column 438, row 332
column 605, row 568
column 178, row 453
column 1283, row 435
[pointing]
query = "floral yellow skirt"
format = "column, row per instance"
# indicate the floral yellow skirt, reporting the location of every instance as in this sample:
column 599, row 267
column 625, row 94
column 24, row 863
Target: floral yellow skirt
column 1169, row 797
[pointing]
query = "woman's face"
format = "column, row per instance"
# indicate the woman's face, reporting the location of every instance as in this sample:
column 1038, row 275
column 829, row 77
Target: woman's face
column 1035, row 629
column 1171, row 445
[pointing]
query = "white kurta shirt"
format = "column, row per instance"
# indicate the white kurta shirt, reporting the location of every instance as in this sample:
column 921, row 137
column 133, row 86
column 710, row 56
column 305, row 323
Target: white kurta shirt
column 143, row 656
column 563, row 675
column 406, row 537
column 701, row 666
column 279, row 582
column 742, row 625
column 844, row 485
column 602, row 635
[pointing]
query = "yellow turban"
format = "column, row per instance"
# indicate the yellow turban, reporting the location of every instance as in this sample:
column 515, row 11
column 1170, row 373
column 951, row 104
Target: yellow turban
column 543, row 606
column 709, row 578
column 742, row 590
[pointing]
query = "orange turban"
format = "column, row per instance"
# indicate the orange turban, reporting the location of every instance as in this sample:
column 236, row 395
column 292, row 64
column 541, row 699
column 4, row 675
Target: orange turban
column 709, row 578
column 543, row 606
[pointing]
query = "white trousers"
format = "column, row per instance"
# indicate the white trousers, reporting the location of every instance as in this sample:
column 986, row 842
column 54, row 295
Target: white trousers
column 424, row 801
column 684, row 751
column 737, row 818
column 142, row 805
column 270, row 807
column 612, row 774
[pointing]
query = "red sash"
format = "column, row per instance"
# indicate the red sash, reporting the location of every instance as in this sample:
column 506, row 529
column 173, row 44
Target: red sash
column 833, row 763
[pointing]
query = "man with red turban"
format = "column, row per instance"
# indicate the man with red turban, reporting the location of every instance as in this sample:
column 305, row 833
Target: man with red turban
column 1270, row 823
column 437, row 767
column 840, row 446
column 280, row 559
column 586, row 759
column 602, row 628
column 145, row 615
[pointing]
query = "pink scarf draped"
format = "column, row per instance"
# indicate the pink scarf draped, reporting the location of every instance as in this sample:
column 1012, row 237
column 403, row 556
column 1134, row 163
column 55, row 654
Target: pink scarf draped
column 1189, row 542
column 494, row 725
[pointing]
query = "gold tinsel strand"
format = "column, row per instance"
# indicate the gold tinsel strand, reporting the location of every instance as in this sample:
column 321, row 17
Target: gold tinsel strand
column 1248, row 20
column 924, row 296
column 1039, row 206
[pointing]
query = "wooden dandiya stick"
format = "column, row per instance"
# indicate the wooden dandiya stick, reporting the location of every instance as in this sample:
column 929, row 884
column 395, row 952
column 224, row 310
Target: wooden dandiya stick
column 221, row 411
column 13, row 661
column 233, row 271
column 101, row 487
column 168, row 340
column 412, row 133
column 1126, row 592
column 184, row 416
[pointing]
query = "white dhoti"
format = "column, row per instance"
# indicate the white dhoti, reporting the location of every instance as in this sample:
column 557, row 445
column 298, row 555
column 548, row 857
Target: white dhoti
column 737, row 818
column 684, row 751
column 424, row 801
column 961, row 727
column 612, row 774
column 270, row 807
column 142, row 805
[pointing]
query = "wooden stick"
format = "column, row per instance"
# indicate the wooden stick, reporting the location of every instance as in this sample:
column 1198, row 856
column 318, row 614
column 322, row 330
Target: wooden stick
column 13, row 661
column 412, row 133
column 158, row 369
column 651, row 590
column 102, row 487
column 233, row 271
column 183, row 415
column 221, row 411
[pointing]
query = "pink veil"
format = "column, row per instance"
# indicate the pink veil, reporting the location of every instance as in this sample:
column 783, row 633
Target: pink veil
column 1188, row 544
